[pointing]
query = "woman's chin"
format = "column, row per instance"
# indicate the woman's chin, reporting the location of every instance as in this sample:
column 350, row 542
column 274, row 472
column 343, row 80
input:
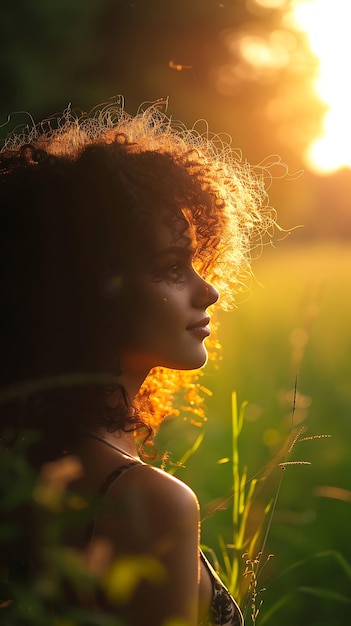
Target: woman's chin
column 194, row 362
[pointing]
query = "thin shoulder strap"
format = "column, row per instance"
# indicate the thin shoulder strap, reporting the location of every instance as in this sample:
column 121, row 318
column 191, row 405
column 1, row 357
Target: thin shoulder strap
column 117, row 473
column 111, row 478
column 211, row 569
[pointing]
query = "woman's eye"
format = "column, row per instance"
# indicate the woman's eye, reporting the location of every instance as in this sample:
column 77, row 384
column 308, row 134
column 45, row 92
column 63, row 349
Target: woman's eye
column 175, row 271
column 172, row 269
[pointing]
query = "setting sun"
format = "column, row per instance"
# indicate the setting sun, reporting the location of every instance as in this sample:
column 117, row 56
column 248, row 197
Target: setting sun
column 327, row 25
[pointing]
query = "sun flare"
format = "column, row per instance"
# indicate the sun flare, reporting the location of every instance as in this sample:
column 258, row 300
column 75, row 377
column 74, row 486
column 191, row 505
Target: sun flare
column 327, row 25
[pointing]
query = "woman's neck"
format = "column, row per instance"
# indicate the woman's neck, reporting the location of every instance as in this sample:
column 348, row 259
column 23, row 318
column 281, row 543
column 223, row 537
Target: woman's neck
column 134, row 372
column 131, row 384
column 124, row 441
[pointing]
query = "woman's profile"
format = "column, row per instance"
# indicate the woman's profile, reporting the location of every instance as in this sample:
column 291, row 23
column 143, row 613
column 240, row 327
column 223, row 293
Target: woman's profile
column 120, row 237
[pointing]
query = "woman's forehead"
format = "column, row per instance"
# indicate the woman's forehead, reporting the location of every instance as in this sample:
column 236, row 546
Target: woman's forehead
column 175, row 232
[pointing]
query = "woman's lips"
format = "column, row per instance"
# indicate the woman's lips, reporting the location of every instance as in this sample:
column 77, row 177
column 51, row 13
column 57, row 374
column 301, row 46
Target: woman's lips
column 200, row 328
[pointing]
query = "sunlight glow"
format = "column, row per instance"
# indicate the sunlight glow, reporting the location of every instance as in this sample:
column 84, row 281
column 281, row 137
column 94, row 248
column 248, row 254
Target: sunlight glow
column 265, row 55
column 270, row 4
column 327, row 25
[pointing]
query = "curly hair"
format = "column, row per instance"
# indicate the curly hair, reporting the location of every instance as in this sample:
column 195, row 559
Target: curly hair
column 77, row 196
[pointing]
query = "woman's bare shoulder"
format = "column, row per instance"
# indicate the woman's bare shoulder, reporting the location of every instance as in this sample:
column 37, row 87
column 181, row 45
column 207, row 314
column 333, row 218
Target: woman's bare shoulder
column 148, row 482
column 150, row 504
column 155, row 516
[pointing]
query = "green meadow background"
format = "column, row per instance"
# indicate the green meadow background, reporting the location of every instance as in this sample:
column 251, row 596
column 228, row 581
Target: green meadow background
column 293, row 324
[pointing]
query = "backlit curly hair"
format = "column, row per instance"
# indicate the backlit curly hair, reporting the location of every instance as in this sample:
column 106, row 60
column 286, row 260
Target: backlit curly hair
column 77, row 195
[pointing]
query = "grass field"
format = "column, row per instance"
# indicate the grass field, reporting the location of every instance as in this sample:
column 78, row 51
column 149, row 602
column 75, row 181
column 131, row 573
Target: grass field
column 295, row 323
column 294, row 329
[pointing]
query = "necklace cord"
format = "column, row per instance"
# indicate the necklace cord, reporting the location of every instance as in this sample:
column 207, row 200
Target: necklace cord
column 91, row 433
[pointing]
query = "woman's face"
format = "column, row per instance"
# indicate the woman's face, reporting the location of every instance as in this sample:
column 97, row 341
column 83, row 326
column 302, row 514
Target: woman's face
column 165, row 307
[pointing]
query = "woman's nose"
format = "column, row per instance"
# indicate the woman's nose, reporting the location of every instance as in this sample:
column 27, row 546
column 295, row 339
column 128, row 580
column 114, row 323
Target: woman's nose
column 207, row 293
column 212, row 293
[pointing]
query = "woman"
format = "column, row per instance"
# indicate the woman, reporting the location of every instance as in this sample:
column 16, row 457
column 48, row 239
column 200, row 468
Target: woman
column 118, row 235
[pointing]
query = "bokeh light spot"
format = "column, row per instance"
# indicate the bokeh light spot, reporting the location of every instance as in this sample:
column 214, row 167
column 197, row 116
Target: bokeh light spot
column 271, row 437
